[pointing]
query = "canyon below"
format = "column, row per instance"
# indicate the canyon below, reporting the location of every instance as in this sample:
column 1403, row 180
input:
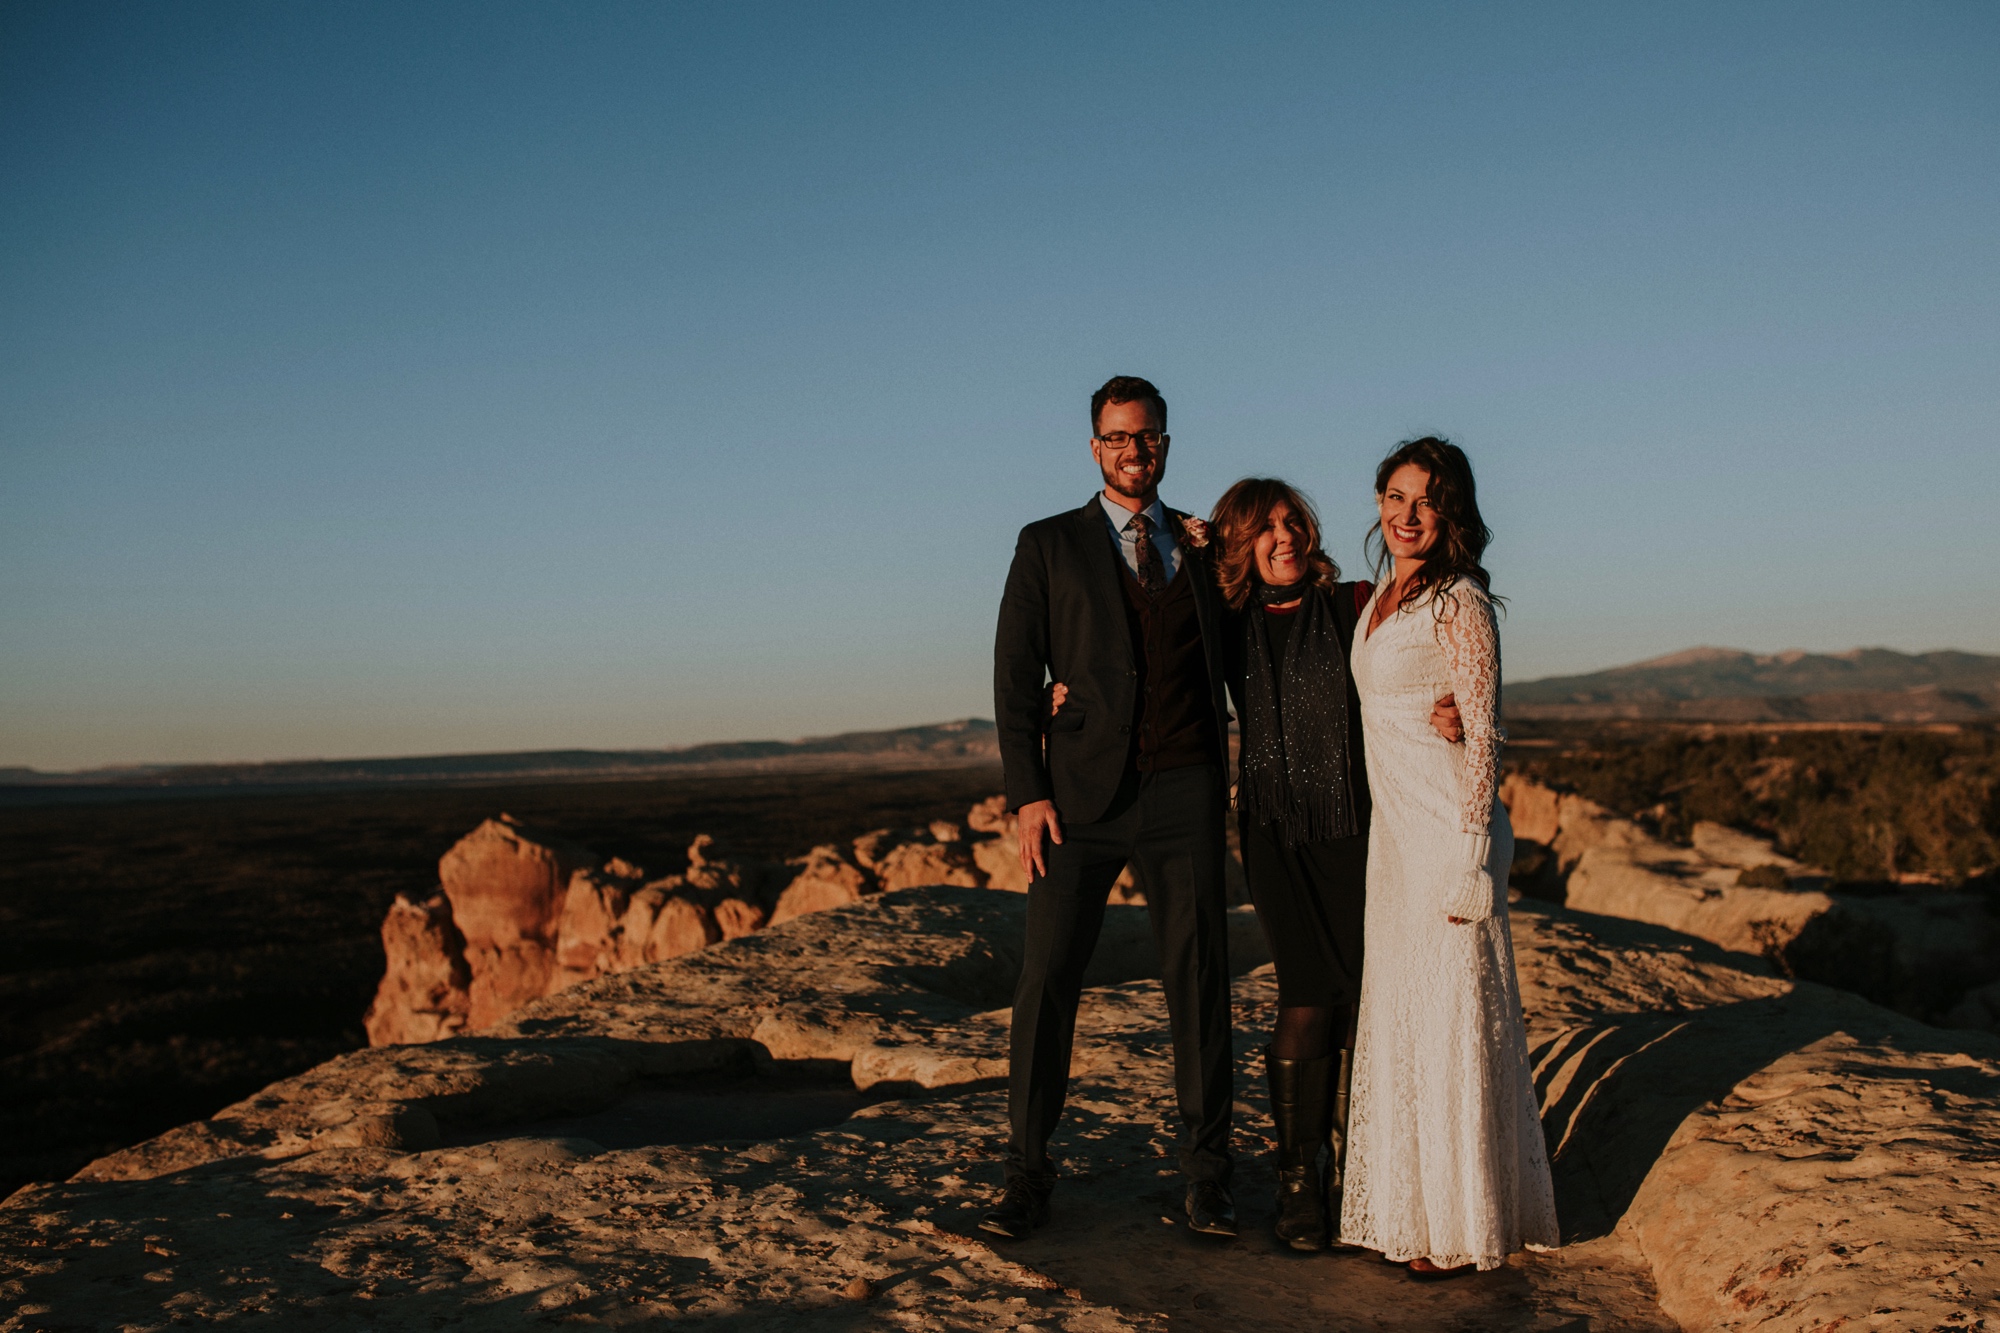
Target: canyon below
column 765, row 1088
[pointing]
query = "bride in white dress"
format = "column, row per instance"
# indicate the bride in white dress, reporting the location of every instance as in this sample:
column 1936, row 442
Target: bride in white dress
column 1447, row 1166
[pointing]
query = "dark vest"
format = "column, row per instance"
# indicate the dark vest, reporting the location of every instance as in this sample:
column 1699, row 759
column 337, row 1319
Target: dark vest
column 1173, row 722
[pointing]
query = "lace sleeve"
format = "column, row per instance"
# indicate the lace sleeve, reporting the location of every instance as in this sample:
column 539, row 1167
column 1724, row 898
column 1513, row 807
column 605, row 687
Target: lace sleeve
column 1471, row 643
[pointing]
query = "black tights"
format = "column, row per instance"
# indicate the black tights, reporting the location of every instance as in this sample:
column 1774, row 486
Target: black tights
column 1307, row 1032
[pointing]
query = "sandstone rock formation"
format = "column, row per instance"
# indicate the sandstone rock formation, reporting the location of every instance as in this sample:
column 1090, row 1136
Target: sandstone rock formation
column 506, row 884
column 1733, row 1150
column 546, row 915
column 1918, row 951
column 591, row 927
column 913, row 865
column 995, row 851
column 825, row 879
column 525, row 913
column 426, row 990
column 663, row 923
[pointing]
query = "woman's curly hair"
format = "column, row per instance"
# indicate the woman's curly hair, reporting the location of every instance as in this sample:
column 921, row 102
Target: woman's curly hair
column 1462, row 534
column 1244, row 511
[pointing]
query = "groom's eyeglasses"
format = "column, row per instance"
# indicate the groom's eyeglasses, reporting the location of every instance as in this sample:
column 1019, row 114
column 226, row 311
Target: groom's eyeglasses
column 1115, row 440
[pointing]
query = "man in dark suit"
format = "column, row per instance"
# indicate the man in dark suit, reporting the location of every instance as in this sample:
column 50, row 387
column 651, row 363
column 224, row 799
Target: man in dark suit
column 1118, row 602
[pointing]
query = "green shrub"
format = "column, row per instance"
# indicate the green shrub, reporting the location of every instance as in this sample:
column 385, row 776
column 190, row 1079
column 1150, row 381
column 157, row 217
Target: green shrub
column 1863, row 805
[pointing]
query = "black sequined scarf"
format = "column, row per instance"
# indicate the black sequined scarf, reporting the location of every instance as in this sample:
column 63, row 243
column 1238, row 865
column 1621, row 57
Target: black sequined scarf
column 1292, row 769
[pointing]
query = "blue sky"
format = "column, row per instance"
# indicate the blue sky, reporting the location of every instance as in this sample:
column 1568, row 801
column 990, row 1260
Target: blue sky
column 397, row 378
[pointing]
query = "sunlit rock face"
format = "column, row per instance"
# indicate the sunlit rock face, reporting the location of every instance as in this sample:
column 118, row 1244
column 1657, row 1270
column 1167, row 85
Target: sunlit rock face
column 525, row 913
column 426, row 991
column 825, row 878
column 507, row 883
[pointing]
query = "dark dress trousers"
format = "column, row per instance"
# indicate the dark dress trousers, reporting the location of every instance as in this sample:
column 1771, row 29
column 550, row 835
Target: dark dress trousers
column 1134, row 764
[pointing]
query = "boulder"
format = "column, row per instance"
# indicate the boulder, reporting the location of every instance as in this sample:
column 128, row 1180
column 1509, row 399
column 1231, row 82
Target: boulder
column 664, row 922
column 870, row 847
column 991, row 816
column 712, row 872
column 1533, row 809
column 507, row 884
column 425, row 992
column 736, row 917
column 1644, row 879
column 590, row 929
column 730, row 891
column 995, row 845
column 825, row 879
column 913, row 865
column 1733, row 847
column 999, row 860
column 996, row 856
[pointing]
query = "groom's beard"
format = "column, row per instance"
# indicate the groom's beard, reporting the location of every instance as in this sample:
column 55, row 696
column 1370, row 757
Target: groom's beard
column 1134, row 488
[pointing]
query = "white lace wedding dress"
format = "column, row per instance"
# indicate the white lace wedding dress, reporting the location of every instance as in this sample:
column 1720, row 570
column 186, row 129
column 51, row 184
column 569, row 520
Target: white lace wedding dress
column 1445, row 1156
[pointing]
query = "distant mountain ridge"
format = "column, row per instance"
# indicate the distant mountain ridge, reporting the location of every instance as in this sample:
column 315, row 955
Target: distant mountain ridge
column 937, row 745
column 1729, row 685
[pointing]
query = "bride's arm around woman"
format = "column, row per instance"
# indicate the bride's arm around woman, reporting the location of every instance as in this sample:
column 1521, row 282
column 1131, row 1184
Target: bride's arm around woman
column 1469, row 640
column 1448, row 1169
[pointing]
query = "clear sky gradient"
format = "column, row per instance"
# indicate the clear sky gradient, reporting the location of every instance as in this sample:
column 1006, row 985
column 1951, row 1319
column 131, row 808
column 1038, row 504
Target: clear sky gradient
column 392, row 378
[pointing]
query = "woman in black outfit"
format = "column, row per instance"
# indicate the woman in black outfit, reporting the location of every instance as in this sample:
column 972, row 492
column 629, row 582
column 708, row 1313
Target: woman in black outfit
column 1302, row 810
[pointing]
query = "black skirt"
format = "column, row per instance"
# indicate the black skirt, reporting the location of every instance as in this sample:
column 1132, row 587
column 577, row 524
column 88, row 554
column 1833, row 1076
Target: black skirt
column 1311, row 901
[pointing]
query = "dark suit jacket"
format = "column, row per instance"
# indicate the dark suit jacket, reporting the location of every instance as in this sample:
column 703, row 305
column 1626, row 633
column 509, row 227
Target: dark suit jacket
column 1063, row 617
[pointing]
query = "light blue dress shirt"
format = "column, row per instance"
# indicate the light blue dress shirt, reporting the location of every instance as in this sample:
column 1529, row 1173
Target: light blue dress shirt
column 1128, row 543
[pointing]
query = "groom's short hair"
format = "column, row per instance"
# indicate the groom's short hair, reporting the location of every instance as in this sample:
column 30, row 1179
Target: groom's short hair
column 1127, row 389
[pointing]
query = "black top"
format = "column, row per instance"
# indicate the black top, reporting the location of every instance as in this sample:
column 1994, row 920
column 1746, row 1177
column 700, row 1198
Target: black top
column 1279, row 643
column 1346, row 600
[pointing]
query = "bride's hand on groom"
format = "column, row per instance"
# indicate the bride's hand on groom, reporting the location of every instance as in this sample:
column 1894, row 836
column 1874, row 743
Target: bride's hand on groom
column 1445, row 720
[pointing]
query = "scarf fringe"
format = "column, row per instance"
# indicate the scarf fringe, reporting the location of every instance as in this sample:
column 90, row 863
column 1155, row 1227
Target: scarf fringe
column 1319, row 817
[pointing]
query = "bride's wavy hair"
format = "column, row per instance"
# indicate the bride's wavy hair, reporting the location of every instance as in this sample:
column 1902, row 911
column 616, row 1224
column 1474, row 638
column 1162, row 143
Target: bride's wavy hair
column 1244, row 511
column 1462, row 534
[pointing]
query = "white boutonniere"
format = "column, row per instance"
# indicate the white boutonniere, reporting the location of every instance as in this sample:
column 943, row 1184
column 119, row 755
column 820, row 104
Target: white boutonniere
column 1195, row 532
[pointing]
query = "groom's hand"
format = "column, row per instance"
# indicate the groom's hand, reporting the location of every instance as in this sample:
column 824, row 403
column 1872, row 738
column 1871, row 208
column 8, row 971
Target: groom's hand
column 1445, row 721
column 1034, row 817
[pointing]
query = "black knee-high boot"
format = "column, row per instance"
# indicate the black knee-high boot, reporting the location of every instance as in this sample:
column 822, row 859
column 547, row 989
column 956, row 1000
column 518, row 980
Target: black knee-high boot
column 1300, row 1112
column 1342, row 1074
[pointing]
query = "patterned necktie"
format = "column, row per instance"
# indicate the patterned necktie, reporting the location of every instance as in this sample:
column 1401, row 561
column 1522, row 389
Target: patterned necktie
column 1152, row 570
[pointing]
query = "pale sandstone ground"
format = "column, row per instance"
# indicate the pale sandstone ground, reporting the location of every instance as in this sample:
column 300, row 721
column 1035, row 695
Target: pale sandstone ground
column 1756, row 1153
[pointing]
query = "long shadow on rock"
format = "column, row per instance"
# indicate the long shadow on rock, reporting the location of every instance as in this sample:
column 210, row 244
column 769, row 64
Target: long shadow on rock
column 1613, row 1094
column 1116, row 1238
column 724, row 1107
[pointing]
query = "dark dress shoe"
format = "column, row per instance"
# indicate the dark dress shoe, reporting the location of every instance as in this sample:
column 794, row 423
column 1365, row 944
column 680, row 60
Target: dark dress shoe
column 1210, row 1210
column 1020, row 1210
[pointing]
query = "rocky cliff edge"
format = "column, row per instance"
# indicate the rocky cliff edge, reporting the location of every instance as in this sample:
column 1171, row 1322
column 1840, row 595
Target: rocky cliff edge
column 1733, row 1150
